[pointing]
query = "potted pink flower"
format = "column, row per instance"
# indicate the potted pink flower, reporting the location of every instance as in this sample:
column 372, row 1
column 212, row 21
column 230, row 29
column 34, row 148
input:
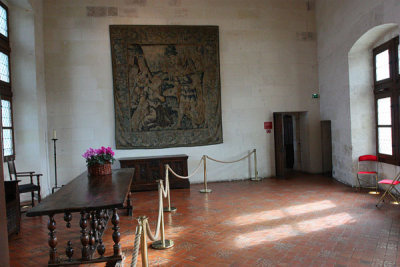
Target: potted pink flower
column 99, row 160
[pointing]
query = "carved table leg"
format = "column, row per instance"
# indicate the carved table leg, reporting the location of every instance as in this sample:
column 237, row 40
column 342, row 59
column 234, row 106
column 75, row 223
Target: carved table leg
column 101, row 249
column 116, row 234
column 84, row 236
column 68, row 218
column 69, row 251
column 94, row 223
column 129, row 207
column 51, row 225
column 92, row 240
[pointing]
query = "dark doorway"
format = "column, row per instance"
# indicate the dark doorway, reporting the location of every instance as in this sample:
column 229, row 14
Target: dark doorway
column 288, row 141
column 290, row 136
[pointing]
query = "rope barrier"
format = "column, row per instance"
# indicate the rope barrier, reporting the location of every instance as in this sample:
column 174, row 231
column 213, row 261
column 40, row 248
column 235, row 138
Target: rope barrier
column 136, row 246
column 166, row 192
column 234, row 161
column 160, row 219
column 205, row 189
column 143, row 240
column 255, row 168
column 162, row 243
column 254, row 151
column 204, row 160
column 185, row 177
column 143, row 229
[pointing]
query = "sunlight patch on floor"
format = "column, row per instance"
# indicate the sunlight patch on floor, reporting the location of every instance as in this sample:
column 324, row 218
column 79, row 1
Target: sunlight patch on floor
column 276, row 214
column 290, row 230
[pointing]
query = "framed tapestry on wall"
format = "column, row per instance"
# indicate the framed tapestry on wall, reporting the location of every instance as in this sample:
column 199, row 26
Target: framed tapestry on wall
column 167, row 90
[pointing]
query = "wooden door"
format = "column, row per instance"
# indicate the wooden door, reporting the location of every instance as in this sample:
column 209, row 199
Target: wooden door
column 288, row 141
column 326, row 143
column 279, row 145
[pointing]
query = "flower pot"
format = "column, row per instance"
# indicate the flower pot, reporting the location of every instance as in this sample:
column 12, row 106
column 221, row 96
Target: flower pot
column 99, row 169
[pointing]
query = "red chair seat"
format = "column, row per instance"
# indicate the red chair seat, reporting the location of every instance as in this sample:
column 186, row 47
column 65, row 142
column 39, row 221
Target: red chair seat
column 387, row 181
column 367, row 172
column 368, row 158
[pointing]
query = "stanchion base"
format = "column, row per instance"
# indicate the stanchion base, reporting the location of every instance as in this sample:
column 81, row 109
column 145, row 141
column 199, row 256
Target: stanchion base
column 54, row 189
column 169, row 210
column 208, row 190
column 158, row 244
column 255, row 179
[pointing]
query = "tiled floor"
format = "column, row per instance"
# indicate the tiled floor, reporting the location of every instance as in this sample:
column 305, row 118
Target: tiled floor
column 306, row 220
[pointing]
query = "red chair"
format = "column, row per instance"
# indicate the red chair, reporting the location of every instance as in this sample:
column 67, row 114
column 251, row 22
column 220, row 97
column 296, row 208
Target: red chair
column 364, row 172
column 392, row 185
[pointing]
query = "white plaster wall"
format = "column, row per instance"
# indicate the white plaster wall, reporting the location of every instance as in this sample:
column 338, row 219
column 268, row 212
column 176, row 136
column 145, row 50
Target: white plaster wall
column 29, row 95
column 340, row 25
column 362, row 104
column 266, row 66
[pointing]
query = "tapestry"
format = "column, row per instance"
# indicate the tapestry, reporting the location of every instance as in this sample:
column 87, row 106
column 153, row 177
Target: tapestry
column 167, row 90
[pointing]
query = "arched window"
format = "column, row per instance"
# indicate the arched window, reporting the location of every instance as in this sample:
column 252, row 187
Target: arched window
column 5, row 87
column 387, row 92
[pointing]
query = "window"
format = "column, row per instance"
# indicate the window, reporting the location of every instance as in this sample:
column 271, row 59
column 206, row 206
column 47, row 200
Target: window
column 7, row 126
column 387, row 93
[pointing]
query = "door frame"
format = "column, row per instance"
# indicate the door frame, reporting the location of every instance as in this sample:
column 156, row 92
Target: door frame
column 301, row 152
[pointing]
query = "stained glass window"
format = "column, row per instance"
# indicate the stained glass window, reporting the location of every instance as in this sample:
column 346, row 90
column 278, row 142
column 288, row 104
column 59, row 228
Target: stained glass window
column 3, row 21
column 7, row 142
column 384, row 111
column 4, row 68
column 386, row 91
column 6, row 119
column 382, row 67
column 385, row 140
column 384, row 119
column 7, row 129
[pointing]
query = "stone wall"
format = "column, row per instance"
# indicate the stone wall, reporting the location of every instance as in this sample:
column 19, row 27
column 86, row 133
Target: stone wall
column 28, row 86
column 268, row 64
column 340, row 24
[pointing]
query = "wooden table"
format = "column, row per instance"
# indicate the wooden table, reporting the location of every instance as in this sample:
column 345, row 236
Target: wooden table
column 96, row 198
column 150, row 169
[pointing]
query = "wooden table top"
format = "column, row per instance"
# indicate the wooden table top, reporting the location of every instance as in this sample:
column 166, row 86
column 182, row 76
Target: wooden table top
column 88, row 192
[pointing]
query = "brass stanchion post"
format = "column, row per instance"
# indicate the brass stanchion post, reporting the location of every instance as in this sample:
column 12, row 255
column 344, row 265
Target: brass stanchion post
column 163, row 243
column 169, row 208
column 143, row 220
column 255, row 167
column 205, row 189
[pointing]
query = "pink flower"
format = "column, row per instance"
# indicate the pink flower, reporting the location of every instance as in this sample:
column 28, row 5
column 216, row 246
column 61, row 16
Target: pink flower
column 99, row 156
column 109, row 151
column 89, row 153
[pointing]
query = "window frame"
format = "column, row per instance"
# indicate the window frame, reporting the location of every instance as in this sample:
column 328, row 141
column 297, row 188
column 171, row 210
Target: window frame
column 6, row 88
column 389, row 87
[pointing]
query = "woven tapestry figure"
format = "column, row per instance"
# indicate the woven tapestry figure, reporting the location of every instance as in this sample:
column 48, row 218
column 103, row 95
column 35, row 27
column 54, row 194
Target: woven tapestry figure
column 167, row 90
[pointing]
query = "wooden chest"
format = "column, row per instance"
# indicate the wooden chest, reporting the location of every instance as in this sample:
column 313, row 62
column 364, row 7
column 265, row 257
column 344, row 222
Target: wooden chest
column 150, row 169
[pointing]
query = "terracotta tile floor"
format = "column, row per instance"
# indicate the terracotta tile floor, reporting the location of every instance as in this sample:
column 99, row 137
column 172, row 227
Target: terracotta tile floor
column 306, row 220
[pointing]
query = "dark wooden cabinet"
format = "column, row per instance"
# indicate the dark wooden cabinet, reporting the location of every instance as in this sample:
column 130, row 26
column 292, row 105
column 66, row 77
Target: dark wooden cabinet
column 150, row 169
column 12, row 206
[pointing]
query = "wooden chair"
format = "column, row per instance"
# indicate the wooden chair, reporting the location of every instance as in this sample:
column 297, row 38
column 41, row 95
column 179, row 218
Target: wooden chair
column 25, row 188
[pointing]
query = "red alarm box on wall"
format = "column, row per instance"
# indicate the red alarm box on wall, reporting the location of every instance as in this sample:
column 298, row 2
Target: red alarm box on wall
column 268, row 126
